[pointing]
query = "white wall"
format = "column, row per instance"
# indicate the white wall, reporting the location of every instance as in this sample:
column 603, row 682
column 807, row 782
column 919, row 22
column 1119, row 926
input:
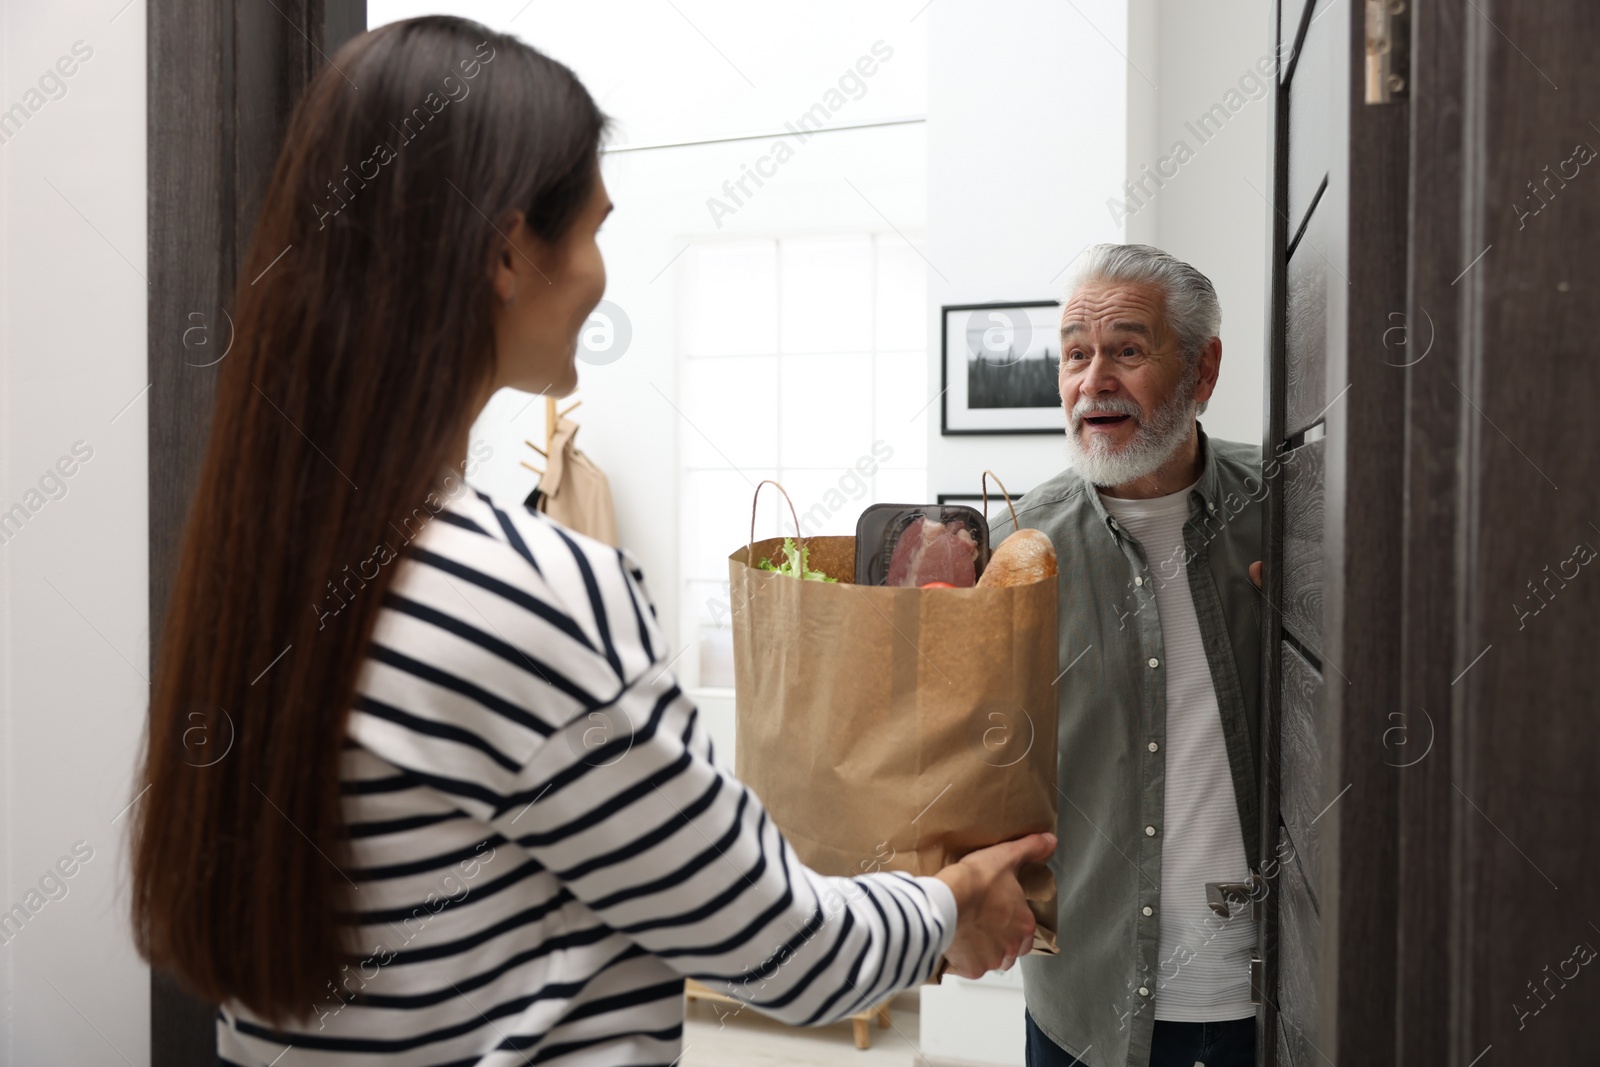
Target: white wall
column 73, row 579
column 1209, row 215
column 1027, row 133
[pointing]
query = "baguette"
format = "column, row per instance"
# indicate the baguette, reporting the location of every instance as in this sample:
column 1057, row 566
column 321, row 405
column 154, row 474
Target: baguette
column 1027, row 556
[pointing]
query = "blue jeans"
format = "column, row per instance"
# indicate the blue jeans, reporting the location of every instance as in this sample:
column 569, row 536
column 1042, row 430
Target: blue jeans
column 1224, row 1044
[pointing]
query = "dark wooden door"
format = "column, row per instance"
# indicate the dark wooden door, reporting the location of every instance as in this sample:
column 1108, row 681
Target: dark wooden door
column 1333, row 471
column 1499, row 865
column 222, row 80
column 1431, row 717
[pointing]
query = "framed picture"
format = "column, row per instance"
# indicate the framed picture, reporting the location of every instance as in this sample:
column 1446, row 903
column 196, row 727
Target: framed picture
column 997, row 502
column 1001, row 363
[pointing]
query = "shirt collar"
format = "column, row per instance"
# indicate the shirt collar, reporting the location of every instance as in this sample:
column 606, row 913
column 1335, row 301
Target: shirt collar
column 1202, row 498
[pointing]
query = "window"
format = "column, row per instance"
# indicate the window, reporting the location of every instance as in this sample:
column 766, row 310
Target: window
column 803, row 360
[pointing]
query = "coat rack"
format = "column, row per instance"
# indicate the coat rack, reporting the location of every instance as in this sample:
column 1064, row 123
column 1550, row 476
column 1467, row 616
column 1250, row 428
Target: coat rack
column 552, row 419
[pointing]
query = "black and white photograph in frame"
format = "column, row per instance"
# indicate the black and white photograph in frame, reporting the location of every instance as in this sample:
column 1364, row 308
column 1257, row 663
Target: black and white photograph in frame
column 1000, row 366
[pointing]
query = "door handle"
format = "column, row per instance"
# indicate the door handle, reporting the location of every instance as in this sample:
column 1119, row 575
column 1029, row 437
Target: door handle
column 1220, row 894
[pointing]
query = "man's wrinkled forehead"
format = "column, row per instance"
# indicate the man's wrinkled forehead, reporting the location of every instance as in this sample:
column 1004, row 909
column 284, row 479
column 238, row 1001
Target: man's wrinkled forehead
column 1122, row 309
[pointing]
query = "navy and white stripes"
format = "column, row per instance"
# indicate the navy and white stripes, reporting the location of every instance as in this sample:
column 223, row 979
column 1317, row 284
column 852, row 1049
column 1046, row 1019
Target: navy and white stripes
column 543, row 844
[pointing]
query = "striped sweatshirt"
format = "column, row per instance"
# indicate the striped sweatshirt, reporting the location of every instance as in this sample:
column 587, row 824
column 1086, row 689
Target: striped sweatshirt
column 543, row 844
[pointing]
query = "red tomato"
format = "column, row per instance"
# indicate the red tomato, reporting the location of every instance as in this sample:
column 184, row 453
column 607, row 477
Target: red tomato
column 935, row 585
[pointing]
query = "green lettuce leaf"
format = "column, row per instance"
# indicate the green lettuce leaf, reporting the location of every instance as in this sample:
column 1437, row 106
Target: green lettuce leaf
column 795, row 564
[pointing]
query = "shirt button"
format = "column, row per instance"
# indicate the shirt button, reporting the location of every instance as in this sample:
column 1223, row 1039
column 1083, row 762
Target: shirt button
column 1144, row 991
column 1154, row 662
column 1148, row 911
column 1149, row 831
column 1154, row 746
column 1138, row 581
column 1210, row 506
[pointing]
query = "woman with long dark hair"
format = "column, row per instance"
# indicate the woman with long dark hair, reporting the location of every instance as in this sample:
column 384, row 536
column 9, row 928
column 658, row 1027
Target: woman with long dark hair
column 412, row 850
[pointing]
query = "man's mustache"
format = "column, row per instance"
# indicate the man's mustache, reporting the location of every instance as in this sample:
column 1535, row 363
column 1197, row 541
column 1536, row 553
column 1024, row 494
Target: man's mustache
column 1109, row 406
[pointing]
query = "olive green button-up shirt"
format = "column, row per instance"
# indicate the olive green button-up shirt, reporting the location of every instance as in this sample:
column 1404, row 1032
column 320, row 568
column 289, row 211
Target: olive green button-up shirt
column 1096, row 999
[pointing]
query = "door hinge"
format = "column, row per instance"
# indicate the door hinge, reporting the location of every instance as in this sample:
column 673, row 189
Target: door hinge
column 1388, row 51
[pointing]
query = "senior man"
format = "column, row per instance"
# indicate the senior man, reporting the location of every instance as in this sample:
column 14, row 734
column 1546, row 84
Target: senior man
column 1157, row 527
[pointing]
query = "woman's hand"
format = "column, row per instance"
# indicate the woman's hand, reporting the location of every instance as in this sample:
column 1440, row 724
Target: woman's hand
column 993, row 923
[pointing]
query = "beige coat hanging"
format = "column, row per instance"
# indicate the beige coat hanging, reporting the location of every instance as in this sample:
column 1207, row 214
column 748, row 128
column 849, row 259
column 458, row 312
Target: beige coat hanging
column 574, row 491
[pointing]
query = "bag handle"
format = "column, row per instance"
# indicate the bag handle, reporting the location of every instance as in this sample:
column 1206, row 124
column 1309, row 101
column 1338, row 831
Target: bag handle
column 749, row 546
column 1015, row 525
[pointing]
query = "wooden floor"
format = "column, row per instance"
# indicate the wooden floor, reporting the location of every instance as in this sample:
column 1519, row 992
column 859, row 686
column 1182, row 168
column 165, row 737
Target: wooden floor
column 718, row 1035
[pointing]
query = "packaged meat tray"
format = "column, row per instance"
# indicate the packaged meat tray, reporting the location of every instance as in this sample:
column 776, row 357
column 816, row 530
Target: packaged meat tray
column 911, row 545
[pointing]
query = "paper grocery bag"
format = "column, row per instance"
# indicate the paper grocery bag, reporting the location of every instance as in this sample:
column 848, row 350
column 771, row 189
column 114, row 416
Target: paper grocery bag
column 895, row 728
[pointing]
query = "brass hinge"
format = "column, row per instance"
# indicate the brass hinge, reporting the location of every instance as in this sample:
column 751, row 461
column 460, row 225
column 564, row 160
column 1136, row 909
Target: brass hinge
column 1388, row 51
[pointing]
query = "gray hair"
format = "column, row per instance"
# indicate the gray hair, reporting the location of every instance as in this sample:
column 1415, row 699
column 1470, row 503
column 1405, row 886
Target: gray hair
column 1193, row 312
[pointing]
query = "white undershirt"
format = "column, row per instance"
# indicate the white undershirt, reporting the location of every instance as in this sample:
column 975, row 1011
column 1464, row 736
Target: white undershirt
column 1203, row 966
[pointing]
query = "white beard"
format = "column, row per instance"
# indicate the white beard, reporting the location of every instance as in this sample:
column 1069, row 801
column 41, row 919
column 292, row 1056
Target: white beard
column 1153, row 442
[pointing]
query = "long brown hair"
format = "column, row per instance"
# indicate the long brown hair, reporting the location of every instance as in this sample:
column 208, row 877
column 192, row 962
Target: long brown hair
column 363, row 336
